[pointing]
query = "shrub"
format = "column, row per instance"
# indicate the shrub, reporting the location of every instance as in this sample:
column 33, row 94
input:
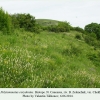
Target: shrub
column 91, row 40
column 72, row 50
column 51, row 28
column 61, row 27
column 79, row 29
column 94, row 58
column 25, row 21
column 93, row 28
column 78, row 36
column 5, row 22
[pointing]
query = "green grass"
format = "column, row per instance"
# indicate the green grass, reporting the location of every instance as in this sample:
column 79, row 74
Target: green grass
column 29, row 60
column 47, row 22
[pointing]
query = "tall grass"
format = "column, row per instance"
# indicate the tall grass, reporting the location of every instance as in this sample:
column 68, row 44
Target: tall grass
column 30, row 60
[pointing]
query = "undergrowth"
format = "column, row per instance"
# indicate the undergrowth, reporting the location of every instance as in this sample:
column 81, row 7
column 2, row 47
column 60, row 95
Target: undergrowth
column 50, row 60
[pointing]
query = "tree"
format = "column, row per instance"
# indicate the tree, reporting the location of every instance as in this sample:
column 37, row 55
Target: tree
column 25, row 21
column 63, row 27
column 93, row 28
column 5, row 22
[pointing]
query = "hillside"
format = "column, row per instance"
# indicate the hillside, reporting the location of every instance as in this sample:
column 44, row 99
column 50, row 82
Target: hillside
column 47, row 22
column 48, row 59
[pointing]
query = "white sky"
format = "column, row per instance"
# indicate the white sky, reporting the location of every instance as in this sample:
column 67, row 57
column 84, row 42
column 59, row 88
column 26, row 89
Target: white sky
column 76, row 12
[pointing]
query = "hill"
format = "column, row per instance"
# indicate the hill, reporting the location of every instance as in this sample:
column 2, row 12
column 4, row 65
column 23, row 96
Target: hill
column 48, row 59
column 47, row 22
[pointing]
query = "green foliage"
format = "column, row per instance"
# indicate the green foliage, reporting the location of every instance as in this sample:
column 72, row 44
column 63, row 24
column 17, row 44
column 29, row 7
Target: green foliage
column 29, row 60
column 15, row 20
column 72, row 50
column 52, row 28
column 5, row 22
column 93, row 28
column 46, row 22
column 25, row 21
column 53, row 25
column 95, row 58
column 78, row 29
column 61, row 27
column 78, row 36
column 93, row 35
column 38, row 28
column 91, row 40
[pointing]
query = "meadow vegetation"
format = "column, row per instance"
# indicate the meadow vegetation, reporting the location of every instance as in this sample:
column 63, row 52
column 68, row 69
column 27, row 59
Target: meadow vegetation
column 56, row 56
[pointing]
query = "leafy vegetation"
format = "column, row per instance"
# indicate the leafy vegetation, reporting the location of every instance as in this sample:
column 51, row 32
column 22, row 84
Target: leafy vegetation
column 61, row 27
column 93, row 28
column 5, row 22
column 78, row 29
column 25, row 21
column 70, row 59
column 47, row 60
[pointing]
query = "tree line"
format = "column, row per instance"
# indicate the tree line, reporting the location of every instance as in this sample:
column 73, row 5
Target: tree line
column 9, row 22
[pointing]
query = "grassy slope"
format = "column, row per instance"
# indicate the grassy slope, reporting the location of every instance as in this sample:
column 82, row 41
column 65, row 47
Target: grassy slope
column 46, row 22
column 46, row 60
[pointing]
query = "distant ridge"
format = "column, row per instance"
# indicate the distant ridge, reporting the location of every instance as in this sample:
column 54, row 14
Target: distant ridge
column 47, row 22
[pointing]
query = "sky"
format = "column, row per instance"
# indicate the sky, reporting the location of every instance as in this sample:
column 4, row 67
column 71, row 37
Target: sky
column 76, row 12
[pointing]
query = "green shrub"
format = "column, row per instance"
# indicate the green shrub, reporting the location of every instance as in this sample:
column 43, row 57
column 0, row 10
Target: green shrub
column 61, row 27
column 94, row 58
column 93, row 28
column 25, row 21
column 5, row 22
column 72, row 50
column 78, row 36
column 78, row 29
column 92, row 41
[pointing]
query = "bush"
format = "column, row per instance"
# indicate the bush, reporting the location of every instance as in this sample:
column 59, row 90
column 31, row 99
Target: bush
column 93, row 28
column 5, row 22
column 72, row 50
column 91, row 40
column 25, row 21
column 78, row 36
column 94, row 58
column 61, row 27
column 52, row 28
column 78, row 29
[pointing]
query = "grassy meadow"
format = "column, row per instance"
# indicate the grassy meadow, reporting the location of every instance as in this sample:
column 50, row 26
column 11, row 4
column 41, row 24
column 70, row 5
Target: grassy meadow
column 48, row 60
